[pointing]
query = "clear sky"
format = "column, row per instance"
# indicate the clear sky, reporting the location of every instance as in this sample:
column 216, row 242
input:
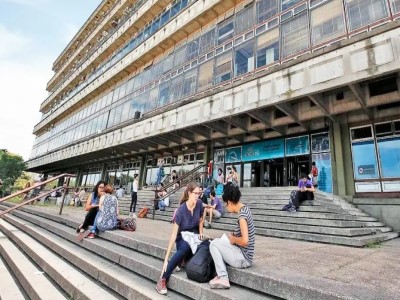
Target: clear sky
column 32, row 35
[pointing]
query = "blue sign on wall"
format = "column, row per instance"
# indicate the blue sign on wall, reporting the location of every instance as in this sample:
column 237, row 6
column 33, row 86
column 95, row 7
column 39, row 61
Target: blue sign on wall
column 263, row 150
column 389, row 154
column 365, row 165
column 323, row 162
column 233, row 154
column 297, row 145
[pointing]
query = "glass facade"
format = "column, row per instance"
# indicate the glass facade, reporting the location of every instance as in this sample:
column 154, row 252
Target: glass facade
column 376, row 151
column 263, row 33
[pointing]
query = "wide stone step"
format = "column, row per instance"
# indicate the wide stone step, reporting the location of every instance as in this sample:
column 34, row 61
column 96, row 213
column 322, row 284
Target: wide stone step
column 72, row 281
column 266, row 281
column 9, row 287
column 141, row 263
column 354, row 241
column 32, row 279
column 127, row 284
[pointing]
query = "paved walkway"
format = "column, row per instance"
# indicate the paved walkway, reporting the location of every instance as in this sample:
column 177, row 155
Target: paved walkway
column 376, row 267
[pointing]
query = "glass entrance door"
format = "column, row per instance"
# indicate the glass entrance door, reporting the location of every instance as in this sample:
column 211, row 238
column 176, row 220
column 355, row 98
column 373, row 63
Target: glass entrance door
column 296, row 165
column 273, row 172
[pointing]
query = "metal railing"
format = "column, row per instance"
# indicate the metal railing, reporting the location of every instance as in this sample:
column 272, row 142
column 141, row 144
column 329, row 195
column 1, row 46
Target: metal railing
column 182, row 181
column 65, row 187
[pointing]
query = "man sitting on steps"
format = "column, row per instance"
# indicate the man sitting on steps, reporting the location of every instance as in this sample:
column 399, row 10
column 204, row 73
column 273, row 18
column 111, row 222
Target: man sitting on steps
column 305, row 192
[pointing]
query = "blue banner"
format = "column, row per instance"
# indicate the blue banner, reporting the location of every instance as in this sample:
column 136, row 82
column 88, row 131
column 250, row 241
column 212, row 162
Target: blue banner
column 233, row 154
column 263, row 150
column 389, row 155
column 323, row 162
column 297, row 145
column 365, row 165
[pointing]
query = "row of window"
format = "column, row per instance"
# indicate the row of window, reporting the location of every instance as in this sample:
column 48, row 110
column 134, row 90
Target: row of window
column 209, row 64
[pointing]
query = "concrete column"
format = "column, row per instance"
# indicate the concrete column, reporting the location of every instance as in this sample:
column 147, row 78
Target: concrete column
column 342, row 170
column 103, row 171
column 208, row 152
column 142, row 170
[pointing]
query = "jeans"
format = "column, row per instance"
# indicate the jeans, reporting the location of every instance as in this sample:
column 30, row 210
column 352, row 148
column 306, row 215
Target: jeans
column 223, row 251
column 302, row 196
column 133, row 202
column 94, row 227
column 89, row 218
column 183, row 251
column 161, row 205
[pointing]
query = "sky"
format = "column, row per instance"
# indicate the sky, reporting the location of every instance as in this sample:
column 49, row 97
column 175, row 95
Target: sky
column 32, row 35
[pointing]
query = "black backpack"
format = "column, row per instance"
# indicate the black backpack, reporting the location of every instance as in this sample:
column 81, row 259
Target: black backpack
column 201, row 267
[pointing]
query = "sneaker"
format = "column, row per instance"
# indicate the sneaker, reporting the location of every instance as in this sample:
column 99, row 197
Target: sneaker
column 206, row 224
column 82, row 234
column 219, row 283
column 91, row 235
column 161, row 286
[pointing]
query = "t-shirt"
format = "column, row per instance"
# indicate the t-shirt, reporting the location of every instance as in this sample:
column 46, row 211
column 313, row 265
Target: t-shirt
column 248, row 251
column 314, row 171
column 120, row 193
column 186, row 221
column 135, row 186
column 304, row 184
column 218, row 204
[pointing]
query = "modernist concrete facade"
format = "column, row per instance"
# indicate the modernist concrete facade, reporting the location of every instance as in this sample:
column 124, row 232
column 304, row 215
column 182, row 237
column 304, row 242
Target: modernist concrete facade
column 268, row 86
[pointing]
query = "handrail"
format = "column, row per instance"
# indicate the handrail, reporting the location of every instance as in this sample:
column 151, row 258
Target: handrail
column 29, row 201
column 184, row 176
column 184, row 180
column 36, row 186
column 41, row 195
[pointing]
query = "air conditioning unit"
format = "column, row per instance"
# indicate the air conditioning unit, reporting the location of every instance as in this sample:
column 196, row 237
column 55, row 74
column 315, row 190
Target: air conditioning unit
column 136, row 116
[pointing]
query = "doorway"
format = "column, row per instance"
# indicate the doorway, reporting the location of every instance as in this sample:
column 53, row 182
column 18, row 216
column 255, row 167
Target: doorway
column 273, row 172
column 297, row 165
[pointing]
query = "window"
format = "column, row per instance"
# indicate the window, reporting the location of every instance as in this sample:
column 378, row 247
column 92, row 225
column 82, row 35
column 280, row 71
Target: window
column 389, row 154
column 223, row 67
column 364, row 12
column 189, row 84
column 157, row 70
column 268, row 48
column 225, row 31
column 395, row 6
column 383, row 129
column 205, row 78
column 295, row 35
column 361, row 133
column 244, row 58
column 207, row 41
column 180, row 56
column 327, row 22
column 164, row 93
column 244, row 20
column 164, row 18
column 288, row 3
column 168, row 63
column 266, row 9
column 175, row 9
column 176, row 88
column 192, row 49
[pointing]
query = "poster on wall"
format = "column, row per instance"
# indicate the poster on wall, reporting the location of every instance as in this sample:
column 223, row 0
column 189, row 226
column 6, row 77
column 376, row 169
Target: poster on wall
column 320, row 142
column 365, row 165
column 233, row 155
column 263, row 150
column 323, row 162
column 219, row 156
column 299, row 145
column 389, row 157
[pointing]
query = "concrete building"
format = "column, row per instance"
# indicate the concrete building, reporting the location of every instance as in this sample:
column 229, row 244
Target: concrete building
column 268, row 86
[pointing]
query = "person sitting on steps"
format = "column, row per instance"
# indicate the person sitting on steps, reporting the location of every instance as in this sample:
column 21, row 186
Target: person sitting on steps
column 215, row 210
column 188, row 217
column 305, row 191
column 237, row 249
column 92, row 206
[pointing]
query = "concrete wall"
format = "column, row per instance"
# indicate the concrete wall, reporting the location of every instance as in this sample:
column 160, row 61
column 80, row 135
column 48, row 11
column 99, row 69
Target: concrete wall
column 386, row 210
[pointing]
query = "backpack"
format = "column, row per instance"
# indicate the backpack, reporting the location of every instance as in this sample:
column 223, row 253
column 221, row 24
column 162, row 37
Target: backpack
column 143, row 212
column 201, row 266
column 128, row 224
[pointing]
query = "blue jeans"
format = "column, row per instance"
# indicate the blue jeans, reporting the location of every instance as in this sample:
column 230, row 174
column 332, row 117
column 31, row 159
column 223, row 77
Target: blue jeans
column 161, row 205
column 183, row 251
column 94, row 227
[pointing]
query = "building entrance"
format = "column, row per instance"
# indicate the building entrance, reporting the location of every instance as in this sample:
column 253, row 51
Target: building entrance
column 273, row 172
column 297, row 165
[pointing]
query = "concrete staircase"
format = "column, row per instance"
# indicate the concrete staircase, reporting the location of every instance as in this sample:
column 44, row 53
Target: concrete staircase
column 330, row 220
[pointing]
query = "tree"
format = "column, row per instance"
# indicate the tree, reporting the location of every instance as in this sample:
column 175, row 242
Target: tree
column 21, row 181
column 11, row 167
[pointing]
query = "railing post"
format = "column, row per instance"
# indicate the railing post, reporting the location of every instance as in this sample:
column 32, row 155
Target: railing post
column 66, row 183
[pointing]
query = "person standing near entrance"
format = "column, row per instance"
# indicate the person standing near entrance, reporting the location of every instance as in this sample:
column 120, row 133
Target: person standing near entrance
column 235, row 176
column 314, row 172
column 135, row 186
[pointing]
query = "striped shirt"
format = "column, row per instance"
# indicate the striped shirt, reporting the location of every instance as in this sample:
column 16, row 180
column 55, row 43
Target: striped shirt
column 248, row 251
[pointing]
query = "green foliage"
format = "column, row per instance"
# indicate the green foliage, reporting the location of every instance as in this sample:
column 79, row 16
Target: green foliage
column 21, row 181
column 11, row 167
column 373, row 245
